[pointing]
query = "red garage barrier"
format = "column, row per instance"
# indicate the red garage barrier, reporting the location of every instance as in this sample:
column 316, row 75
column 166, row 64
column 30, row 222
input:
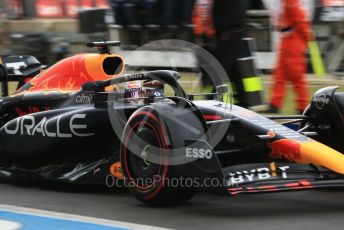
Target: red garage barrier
column 66, row 8
column 333, row 2
column 73, row 6
column 49, row 8
column 15, row 9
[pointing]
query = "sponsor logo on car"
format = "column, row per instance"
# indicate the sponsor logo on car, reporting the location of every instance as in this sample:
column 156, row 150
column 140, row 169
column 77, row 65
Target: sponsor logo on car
column 84, row 99
column 321, row 101
column 263, row 173
column 29, row 110
column 286, row 148
column 134, row 77
column 116, row 170
column 198, row 153
column 28, row 125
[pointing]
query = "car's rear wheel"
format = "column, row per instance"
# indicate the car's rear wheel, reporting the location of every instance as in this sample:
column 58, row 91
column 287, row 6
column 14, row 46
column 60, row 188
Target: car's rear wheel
column 148, row 181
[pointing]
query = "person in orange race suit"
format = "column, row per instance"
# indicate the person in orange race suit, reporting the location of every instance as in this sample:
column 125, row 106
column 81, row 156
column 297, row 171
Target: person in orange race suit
column 204, row 32
column 202, row 18
column 295, row 32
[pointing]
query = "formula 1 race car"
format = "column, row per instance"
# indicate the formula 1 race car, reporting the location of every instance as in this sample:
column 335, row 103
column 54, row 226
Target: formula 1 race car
column 82, row 119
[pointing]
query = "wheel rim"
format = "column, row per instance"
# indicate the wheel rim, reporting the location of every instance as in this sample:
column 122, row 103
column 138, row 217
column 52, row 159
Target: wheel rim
column 146, row 152
column 143, row 173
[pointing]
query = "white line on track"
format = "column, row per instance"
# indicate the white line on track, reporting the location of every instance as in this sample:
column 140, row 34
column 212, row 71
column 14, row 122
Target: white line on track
column 72, row 217
column 9, row 225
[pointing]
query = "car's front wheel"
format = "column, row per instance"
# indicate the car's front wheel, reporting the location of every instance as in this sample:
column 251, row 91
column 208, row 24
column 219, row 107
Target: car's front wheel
column 148, row 179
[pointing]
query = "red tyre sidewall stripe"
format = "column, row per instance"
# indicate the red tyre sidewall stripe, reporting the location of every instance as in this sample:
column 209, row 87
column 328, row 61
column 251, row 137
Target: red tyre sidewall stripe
column 162, row 144
column 125, row 153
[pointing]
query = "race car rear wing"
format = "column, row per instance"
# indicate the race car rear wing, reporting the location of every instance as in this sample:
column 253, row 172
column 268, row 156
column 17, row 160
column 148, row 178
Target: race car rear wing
column 19, row 69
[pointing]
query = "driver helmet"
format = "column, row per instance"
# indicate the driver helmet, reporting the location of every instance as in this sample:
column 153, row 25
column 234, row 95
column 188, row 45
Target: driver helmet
column 133, row 89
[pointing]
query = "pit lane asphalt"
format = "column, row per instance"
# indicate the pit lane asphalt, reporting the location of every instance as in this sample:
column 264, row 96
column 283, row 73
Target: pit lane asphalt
column 318, row 209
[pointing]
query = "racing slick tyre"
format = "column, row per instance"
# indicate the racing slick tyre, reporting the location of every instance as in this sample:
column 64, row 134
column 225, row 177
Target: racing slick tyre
column 148, row 132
